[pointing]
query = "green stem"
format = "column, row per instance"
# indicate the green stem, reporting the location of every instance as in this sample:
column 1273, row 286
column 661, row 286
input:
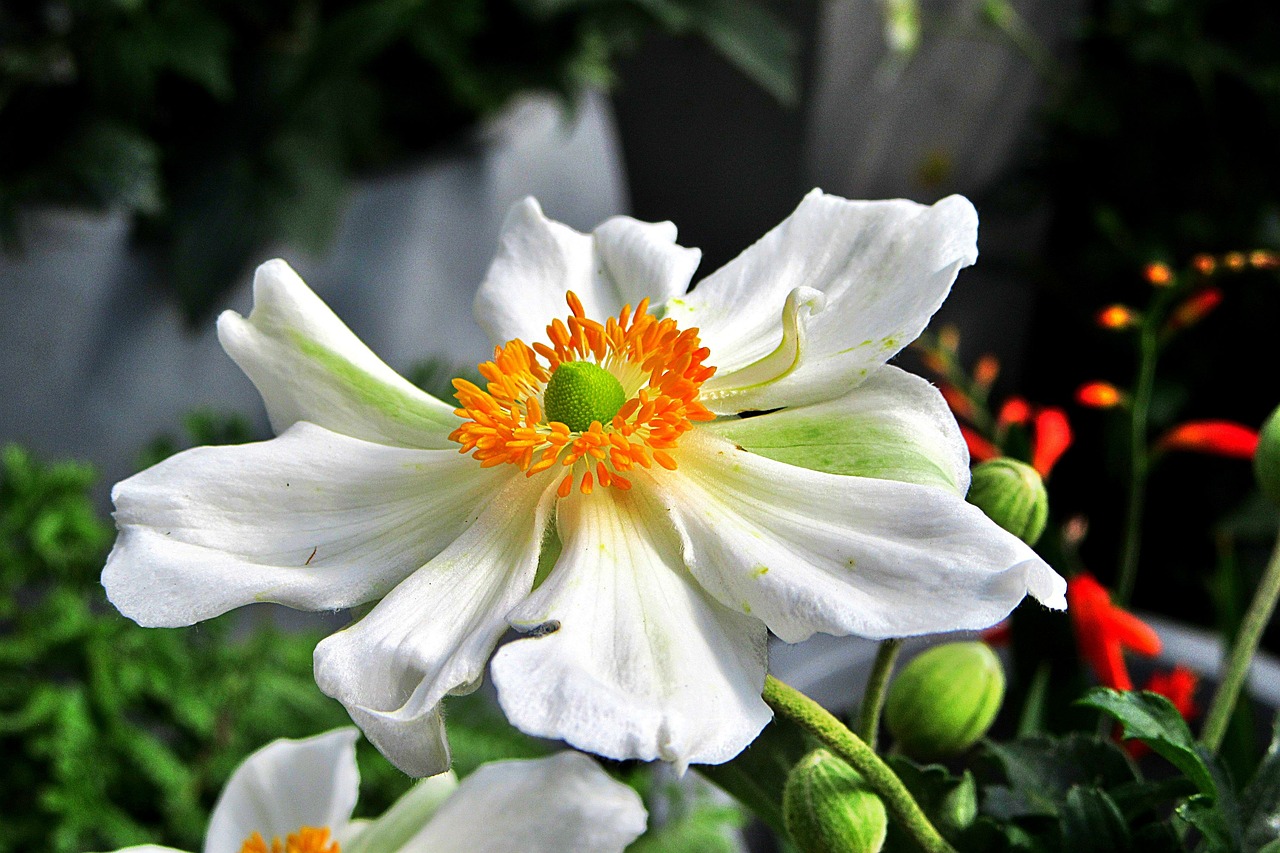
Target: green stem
column 873, row 696
column 1139, row 459
column 791, row 703
column 1255, row 622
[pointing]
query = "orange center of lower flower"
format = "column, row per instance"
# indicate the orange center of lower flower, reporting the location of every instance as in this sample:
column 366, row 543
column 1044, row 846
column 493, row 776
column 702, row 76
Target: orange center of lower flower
column 306, row 840
column 658, row 366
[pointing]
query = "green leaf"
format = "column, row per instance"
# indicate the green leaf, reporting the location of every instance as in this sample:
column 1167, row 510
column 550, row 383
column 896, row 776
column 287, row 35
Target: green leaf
column 479, row 733
column 701, row 826
column 1041, row 771
column 117, row 165
column 758, row 774
column 1092, row 823
column 1260, row 808
column 760, row 45
column 746, row 34
column 950, row 801
column 1152, row 719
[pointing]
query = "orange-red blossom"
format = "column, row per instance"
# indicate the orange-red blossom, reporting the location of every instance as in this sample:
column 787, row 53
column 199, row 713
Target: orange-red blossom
column 1104, row 631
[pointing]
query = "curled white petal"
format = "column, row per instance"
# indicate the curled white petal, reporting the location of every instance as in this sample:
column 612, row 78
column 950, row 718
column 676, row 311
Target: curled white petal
column 308, row 366
column 434, row 632
column 312, row 519
column 540, row 260
column 286, row 785
column 547, row 805
column 808, row 551
column 882, row 268
column 628, row 657
column 894, row 426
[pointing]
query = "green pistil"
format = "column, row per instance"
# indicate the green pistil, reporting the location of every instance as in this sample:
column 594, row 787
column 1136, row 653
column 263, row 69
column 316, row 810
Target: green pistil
column 580, row 393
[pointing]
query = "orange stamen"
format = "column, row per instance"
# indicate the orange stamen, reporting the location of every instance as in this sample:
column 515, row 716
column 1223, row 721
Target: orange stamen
column 659, row 365
column 306, row 840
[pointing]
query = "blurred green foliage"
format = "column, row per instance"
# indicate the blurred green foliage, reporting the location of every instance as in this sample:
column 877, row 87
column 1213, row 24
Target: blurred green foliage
column 227, row 125
column 115, row 734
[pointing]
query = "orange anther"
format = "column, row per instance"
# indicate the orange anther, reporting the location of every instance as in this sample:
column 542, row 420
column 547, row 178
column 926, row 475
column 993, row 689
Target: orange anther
column 505, row 422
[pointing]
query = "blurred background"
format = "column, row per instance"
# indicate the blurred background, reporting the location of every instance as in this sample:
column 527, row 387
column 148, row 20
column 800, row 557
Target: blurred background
column 152, row 152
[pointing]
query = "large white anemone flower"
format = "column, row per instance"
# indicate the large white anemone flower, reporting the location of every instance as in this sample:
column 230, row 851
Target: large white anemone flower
column 652, row 479
column 298, row 795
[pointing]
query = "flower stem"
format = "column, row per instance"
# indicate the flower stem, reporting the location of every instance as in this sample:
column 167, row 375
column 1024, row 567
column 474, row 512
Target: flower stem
column 1139, row 459
column 873, row 696
column 788, row 702
column 1250, row 635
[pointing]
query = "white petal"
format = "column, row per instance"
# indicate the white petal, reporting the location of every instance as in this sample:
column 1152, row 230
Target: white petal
column 308, row 366
column 547, row 805
column 312, row 519
column 433, row 633
column 894, row 426
column 828, row 295
column 631, row 659
column 807, row 551
column 404, row 820
column 149, row 848
column 539, row 260
column 286, row 785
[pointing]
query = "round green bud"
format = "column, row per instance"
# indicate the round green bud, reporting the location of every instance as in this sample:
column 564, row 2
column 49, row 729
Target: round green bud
column 580, row 393
column 1012, row 495
column 944, row 700
column 828, row 807
column 1266, row 459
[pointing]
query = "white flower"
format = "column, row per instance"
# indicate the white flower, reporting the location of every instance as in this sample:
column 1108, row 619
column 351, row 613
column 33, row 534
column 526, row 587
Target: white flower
column 298, row 795
column 646, row 557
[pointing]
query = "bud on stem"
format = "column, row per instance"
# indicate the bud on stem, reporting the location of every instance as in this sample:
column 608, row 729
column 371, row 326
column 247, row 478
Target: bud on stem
column 828, row 808
column 944, row 700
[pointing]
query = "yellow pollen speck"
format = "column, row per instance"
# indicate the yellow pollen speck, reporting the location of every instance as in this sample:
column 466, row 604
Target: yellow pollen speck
column 658, row 366
column 306, row 840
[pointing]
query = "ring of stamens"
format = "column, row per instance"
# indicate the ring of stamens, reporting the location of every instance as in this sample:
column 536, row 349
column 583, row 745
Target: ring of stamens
column 308, row 839
column 659, row 366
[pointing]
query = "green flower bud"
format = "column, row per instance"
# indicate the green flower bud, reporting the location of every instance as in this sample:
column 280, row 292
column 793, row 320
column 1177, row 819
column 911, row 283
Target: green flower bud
column 1012, row 495
column 1266, row 459
column 945, row 700
column 828, row 808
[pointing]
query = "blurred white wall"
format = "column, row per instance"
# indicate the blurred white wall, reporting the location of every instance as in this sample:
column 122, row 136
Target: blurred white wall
column 96, row 360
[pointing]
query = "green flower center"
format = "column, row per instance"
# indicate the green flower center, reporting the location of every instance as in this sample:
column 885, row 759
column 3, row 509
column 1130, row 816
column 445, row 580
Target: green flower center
column 580, row 393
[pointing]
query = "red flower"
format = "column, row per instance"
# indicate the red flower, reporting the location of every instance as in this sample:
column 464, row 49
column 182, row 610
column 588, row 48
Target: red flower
column 1104, row 630
column 1222, row 438
column 956, row 399
column 1050, row 432
column 1178, row 685
column 1099, row 395
column 1194, row 309
column 980, row 450
column 1014, row 411
column 1052, row 438
column 1117, row 317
